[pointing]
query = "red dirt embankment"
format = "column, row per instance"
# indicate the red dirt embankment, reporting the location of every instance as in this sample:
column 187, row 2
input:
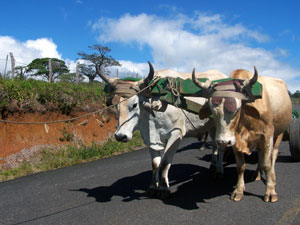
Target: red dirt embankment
column 17, row 137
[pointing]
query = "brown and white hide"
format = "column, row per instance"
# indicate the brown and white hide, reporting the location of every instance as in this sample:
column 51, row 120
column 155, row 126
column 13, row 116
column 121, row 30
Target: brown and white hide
column 253, row 125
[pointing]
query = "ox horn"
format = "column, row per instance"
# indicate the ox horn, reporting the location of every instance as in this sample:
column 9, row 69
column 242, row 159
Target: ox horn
column 149, row 77
column 253, row 79
column 203, row 85
column 104, row 77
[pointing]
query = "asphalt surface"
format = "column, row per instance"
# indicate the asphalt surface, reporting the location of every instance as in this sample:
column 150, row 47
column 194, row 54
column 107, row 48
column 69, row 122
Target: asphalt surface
column 112, row 191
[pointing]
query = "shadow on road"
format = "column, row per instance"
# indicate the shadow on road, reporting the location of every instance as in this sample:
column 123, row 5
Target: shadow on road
column 129, row 188
column 194, row 184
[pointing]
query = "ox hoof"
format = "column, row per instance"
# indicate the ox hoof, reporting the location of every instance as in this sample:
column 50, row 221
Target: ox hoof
column 202, row 148
column 258, row 177
column 212, row 169
column 271, row 198
column 219, row 176
column 151, row 192
column 164, row 194
column 235, row 196
column 255, row 176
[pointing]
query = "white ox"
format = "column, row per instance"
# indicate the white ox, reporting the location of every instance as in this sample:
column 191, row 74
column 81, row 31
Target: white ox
column 162, row 130
column 247, row 124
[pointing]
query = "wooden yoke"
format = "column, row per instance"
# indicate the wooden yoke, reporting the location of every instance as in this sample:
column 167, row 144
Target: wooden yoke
column 187, row 88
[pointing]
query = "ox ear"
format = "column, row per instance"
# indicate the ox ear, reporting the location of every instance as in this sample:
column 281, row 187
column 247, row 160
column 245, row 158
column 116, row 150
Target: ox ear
column 250, row 110
column 205, row 111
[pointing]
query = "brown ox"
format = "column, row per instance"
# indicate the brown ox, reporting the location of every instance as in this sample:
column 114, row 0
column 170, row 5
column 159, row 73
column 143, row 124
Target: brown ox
column 247, row 124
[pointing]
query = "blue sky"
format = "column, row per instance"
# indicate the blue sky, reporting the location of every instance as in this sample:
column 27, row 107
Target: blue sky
column 180, row 35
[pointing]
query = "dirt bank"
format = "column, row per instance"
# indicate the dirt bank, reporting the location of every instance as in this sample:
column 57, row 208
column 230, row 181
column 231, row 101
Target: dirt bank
column 15, row 138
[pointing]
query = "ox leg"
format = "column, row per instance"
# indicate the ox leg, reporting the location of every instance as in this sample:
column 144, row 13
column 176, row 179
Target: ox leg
column 216, row 166
column 170, row 150
column 238, row 192
column 202, row 148
column 220, row 169
column 268, row 158
column 156, row 159
column 271, row 195
column 259, row 171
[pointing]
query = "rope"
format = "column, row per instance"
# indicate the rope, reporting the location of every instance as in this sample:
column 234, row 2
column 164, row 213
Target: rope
column 173, row 88
column 199, row 134
column 55, row 121
column 79, row 117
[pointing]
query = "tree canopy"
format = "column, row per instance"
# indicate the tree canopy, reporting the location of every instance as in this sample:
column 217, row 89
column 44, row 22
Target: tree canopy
column 88, row 71
column 20, row 72
column 100, row 57
column 296, row 94
column 70, row 78
column 40, row 67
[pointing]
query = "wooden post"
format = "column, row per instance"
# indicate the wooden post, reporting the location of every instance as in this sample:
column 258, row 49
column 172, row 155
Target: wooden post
column 117, row 72
column 12, row 60
column 77, row 72
column 50, row 70
column 5, row 65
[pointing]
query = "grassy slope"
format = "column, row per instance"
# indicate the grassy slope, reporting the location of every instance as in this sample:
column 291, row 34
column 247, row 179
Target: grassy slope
column 32, row 96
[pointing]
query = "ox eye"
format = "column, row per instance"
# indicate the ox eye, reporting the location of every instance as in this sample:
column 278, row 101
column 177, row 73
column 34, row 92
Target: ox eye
column 134, row 105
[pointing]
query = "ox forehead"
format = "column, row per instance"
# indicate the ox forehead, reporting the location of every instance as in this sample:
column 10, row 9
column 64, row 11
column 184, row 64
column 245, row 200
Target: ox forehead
column 229, row 103
column 230, row 85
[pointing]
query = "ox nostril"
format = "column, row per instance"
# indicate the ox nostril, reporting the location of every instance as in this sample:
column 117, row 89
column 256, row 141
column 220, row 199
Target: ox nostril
column 121, row 137
column 223, row 143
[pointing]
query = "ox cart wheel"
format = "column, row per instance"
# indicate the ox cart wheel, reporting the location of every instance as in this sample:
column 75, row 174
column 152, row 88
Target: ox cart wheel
column 295, row 139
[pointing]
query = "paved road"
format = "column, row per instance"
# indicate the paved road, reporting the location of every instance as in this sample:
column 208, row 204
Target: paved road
column 111, row 191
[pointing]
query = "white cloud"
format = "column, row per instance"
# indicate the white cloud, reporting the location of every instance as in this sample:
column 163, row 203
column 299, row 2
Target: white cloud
column 202, row 41
column 71, row 65
column 46, row 47
column 25, row 52
column 129, row 68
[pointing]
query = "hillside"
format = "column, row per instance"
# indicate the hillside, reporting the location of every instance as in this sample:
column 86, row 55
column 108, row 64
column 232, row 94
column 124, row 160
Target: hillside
column 39, row 101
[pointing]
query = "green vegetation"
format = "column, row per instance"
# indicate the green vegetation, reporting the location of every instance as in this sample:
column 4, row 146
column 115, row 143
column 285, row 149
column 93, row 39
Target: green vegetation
column 34, row 95
column 99, row 57
column 51, row 159
column 31, row 95
column 296, row 101
column 40, row 67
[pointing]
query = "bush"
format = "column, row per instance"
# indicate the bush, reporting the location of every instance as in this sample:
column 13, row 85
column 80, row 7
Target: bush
column 35, row 95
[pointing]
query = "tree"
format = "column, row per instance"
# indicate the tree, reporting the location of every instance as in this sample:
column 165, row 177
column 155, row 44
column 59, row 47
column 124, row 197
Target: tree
column 296, row 94
column 40, row 67
column 20, row 72
column 88, row 71
column 70, row 77
column 99, row 57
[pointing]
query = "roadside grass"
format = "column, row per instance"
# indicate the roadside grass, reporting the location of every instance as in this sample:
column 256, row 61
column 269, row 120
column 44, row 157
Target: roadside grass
column 296, row 101
column 51, row 158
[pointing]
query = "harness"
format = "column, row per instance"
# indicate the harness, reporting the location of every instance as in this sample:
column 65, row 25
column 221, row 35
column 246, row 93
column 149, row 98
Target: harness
column 123, row 88
column 228, row 90
column 173, row 91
